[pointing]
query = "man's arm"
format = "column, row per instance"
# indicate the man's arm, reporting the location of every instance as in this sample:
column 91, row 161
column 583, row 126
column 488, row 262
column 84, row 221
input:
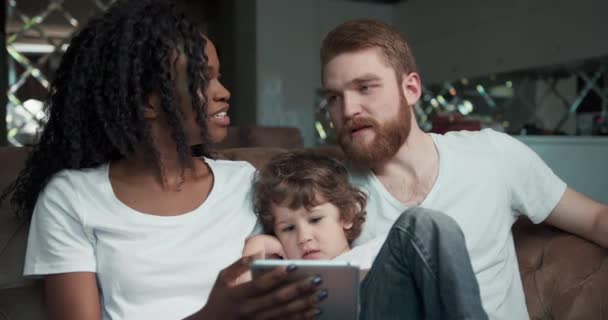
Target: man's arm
column 580, row 215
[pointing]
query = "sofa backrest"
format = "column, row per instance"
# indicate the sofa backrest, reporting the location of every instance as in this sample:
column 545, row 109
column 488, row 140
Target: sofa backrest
column 11, row 162
column 20, row 298
column 258, row 136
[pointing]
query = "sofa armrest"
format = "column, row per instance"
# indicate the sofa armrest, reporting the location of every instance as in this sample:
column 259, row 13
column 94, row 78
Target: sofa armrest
column 564, row 276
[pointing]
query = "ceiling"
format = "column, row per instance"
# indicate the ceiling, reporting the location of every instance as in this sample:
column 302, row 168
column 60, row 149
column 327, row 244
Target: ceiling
column 379, row 1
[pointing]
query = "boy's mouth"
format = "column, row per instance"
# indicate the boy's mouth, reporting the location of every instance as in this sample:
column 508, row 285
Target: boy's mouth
column 312, row 254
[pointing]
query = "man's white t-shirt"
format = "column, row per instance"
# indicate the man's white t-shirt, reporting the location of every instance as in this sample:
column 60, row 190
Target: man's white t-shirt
column 147, row 266
column 486, row 180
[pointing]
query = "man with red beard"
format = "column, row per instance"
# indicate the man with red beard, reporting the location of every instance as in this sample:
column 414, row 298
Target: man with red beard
column 483, row 180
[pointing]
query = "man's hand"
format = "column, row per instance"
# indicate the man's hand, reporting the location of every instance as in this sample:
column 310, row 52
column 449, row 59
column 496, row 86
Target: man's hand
column 270, row 296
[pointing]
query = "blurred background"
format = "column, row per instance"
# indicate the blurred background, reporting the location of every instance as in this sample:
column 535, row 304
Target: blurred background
column 523, row 67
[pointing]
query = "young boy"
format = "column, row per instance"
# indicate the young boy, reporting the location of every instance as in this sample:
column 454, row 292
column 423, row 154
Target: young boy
column 309, row 210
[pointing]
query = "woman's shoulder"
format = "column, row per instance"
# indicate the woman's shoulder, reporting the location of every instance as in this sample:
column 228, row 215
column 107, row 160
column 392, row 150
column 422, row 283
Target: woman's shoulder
column 78, row 175
column 62, row 193
column 233, row 166
column 74, row 179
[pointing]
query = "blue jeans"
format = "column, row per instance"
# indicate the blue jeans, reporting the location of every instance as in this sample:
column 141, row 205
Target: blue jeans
column 423, row 271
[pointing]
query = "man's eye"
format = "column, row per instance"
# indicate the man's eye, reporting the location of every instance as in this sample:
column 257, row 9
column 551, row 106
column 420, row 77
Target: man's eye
column 364, row 89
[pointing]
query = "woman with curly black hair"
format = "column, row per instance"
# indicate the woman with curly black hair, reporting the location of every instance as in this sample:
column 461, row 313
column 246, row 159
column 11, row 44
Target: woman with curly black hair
column 125, row 222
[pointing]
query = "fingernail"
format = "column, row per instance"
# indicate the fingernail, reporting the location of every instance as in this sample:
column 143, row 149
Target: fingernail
column 318, row 312
column 292, row 267
column 322, row 295
column 316, row 280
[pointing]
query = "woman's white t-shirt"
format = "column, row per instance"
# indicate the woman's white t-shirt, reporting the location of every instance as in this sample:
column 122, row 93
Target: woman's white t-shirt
column 147, row 266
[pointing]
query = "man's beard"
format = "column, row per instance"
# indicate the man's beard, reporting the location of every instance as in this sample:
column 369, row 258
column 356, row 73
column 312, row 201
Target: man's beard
column 388, row 138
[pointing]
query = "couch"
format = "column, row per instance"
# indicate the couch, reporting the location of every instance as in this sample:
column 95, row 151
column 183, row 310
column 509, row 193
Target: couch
column 564, row 276
column 262, row 136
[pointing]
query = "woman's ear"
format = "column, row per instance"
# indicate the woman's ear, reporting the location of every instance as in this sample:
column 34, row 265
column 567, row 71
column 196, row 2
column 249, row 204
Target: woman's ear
column 152, row 106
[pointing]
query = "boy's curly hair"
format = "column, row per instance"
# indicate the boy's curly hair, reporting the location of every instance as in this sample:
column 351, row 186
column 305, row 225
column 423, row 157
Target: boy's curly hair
column 298, row 179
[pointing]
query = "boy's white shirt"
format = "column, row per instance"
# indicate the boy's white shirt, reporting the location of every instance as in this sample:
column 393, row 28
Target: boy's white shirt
column 363, row 255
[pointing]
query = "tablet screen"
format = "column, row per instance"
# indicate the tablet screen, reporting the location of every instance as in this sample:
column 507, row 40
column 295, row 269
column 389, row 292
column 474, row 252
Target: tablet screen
column 340, row 279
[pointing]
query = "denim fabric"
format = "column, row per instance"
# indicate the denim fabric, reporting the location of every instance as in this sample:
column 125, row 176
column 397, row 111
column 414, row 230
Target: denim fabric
column 423, row 271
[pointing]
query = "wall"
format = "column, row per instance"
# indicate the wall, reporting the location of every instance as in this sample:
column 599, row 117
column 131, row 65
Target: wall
column 277, row 44
column 3, row 76
column 469, row 38
column 245, row 93
column 579, row 161
column 288, row 37
column 233, row 32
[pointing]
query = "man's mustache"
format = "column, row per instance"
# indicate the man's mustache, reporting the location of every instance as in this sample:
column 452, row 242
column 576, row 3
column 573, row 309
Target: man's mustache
column 358, row 123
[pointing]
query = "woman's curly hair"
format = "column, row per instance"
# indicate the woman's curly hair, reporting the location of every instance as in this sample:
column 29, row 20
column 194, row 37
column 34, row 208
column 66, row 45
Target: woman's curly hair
column 303, row 178
column 96, row 100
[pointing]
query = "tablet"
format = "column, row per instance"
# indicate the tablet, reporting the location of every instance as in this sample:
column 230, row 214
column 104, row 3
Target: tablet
column 340, row 279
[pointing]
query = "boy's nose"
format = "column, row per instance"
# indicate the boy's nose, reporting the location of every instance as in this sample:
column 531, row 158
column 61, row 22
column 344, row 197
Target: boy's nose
column 304, row 236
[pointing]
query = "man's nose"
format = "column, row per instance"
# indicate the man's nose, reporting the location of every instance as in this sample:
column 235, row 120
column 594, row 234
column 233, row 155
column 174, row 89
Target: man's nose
column 351, row 106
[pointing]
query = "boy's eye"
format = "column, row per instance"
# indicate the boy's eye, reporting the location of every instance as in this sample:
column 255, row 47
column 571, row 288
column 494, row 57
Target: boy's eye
column 288, row 228
column 316, row 220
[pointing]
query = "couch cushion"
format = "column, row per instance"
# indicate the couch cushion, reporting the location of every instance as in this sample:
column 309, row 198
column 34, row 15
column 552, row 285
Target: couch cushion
column 23, row 303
